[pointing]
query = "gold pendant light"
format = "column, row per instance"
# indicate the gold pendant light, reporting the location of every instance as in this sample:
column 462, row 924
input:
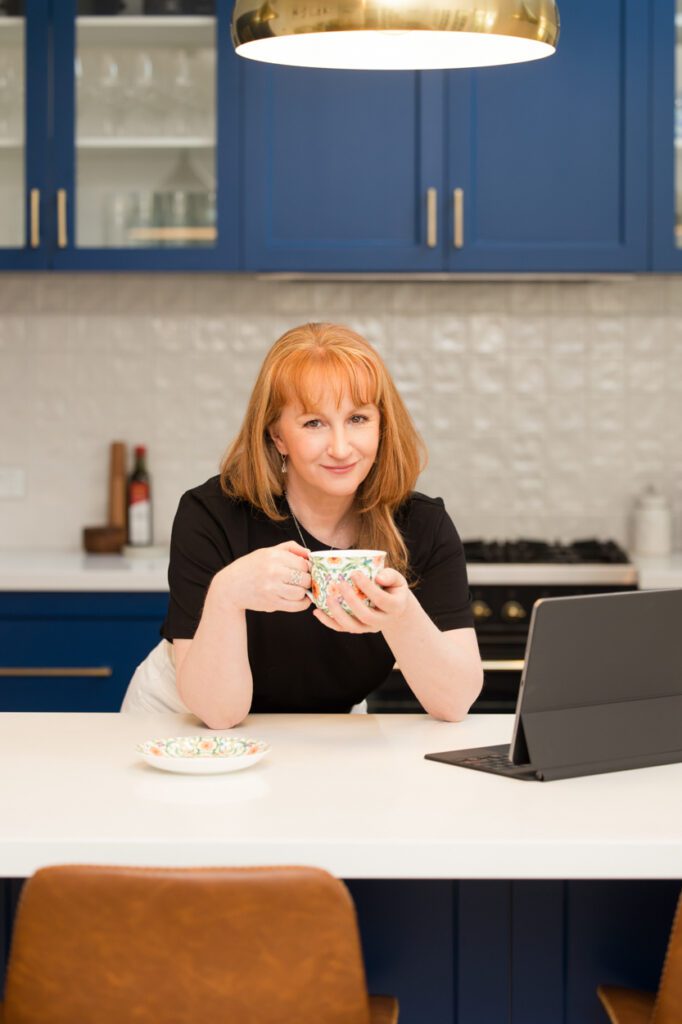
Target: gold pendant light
column 395, row 34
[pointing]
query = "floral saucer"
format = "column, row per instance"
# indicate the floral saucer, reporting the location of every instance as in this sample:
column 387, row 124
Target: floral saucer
column 202, row 755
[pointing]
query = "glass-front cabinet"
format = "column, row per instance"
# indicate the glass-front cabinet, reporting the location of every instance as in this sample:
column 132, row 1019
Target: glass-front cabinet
column 145, row 128
column 22, row 138
column 140, row 156
column 12, row 130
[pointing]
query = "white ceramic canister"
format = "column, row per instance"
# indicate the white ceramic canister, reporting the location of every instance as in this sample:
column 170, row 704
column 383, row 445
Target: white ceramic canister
column 653, row 524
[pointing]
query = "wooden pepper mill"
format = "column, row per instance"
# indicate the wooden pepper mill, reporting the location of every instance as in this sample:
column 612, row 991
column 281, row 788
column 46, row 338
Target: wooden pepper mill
column 111, row 538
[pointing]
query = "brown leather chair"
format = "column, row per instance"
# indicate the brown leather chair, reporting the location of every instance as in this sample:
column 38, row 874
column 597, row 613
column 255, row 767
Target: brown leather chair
column 106, row 945
column 631, row 1006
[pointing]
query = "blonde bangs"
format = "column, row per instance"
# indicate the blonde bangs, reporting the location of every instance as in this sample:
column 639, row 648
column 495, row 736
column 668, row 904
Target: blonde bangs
column 305, row 376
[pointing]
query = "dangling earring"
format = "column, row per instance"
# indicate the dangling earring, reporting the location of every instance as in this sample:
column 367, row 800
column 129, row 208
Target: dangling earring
column 284, row 463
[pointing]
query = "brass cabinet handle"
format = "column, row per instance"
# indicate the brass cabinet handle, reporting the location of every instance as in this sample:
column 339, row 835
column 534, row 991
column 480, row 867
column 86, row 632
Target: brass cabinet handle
column 100, row 673
column 458, row 207
column 62, row 238
column 502, row 666
column 432, row 217
column 35, row 218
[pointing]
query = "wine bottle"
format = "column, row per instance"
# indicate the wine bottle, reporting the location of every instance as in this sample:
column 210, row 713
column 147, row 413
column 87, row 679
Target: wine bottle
column 139, row 501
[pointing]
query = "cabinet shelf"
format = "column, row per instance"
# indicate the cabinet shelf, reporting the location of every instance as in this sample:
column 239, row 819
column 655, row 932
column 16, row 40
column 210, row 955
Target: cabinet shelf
column 145, row 142
column 187, row 32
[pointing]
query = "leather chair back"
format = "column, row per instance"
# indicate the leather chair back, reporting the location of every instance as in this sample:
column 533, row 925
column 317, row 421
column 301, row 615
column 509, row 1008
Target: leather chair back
column 106, row 945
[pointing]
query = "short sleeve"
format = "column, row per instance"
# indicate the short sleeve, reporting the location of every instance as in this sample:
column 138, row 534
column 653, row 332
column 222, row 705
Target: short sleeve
column 444, row 588
column 198, row 550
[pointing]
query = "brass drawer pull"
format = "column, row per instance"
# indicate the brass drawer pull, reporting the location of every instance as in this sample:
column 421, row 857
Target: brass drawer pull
column 100, row 673
column 490, row 666
column 62, row 236
column 432, row 217
column 35, row 218
column 458, row 207
column 502, row 666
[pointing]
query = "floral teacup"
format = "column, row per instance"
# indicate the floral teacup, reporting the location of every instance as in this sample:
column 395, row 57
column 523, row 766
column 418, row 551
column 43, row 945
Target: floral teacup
column 328, row 567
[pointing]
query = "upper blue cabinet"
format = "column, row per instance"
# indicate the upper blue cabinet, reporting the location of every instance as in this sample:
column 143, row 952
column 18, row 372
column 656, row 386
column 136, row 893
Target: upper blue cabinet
column 549, row 159
column 137, row 166
column 23, row 139
column 533, row 167
column 666, row 208
column 342, row 169
column 132, row 137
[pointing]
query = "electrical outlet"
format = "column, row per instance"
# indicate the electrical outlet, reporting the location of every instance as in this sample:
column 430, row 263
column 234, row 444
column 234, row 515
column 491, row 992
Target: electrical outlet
column 12, row 482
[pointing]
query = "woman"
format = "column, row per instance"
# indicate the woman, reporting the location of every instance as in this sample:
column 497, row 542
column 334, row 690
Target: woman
column 327, row 457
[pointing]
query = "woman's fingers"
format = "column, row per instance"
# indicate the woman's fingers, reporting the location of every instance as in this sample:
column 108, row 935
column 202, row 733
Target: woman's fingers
column 368, row 588
column 361, row 620
column 328, row 621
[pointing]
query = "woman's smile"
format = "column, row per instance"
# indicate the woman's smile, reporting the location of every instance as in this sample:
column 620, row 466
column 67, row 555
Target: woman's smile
column 341, row 469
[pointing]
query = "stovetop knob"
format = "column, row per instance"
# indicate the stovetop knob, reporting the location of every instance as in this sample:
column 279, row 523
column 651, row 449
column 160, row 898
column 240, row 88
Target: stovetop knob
column 481, row 610
column 512, row 611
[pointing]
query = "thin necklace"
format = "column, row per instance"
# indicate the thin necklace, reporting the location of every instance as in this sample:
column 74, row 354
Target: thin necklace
column 331, row 546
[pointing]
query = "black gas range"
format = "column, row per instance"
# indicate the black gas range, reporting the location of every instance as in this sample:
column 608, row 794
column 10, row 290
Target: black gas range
column 506, row 578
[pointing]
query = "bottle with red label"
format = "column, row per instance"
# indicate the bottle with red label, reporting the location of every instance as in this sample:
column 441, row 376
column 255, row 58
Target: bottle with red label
column 139, row 502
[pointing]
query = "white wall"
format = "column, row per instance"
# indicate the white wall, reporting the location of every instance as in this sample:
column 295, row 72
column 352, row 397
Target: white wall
column 546, row 406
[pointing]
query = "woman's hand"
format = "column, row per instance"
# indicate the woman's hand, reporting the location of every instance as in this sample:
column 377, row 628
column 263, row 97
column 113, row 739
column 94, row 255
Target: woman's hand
column 388, row 593
column 271, row 579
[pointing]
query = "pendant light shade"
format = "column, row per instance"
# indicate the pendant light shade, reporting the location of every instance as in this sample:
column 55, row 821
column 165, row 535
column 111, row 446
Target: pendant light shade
column 395, row 34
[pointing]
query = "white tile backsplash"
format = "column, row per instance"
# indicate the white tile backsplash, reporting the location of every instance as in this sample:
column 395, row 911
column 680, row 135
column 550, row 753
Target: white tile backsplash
column 545, row 406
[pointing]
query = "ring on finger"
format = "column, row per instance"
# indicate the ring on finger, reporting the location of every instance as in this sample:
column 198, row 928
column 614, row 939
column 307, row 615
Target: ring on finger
column 295, row 578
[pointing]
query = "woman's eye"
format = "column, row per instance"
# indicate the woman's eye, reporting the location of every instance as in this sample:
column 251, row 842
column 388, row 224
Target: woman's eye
column 358, row 416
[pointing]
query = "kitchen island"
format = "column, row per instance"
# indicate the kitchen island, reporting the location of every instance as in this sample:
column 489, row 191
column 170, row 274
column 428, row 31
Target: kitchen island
column 481, row 899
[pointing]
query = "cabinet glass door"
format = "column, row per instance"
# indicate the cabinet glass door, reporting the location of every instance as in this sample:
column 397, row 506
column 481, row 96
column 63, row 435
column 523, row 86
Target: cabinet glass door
column 145, row 125
column 12, row 128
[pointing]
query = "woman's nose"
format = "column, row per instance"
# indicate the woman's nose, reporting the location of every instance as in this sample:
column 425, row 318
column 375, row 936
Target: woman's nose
column 339, row 444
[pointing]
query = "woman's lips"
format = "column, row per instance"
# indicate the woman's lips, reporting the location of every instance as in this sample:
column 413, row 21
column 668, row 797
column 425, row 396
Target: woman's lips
column 340, row 469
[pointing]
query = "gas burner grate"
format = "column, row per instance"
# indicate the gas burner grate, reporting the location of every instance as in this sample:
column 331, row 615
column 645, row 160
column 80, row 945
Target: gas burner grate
column 589, row 550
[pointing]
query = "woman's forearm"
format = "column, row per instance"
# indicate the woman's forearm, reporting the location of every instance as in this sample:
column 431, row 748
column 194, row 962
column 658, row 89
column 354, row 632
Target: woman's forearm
column 445, row 679
column 214, row 680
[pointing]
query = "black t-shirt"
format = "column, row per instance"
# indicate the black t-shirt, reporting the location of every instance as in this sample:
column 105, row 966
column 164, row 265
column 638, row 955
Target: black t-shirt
column 297, row 663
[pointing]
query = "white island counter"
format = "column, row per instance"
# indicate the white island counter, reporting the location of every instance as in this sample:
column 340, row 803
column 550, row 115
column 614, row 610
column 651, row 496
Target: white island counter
column 352, row 794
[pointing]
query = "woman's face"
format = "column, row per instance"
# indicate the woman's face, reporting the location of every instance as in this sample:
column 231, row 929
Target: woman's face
column 328, row 449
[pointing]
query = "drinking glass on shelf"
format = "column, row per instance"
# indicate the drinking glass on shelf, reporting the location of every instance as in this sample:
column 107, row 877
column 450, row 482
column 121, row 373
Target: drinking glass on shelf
column 143, row 97
column 141, row 219
column 204, row 64
column 108, row 94
column 179, row 117
column 9, row 92
column 119, row 207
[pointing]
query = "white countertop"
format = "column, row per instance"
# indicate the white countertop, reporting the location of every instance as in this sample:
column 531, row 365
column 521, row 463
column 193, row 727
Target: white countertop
column 75, row 571
column 349, row 793
column 660, row 573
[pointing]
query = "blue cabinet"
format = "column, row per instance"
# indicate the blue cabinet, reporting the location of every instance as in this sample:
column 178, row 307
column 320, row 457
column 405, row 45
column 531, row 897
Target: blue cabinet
column 73, row 652
column 338, row 166
column 537, row 167
column 24, row 169
column 551, row 157
column 666, row 206
column 137, row 165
